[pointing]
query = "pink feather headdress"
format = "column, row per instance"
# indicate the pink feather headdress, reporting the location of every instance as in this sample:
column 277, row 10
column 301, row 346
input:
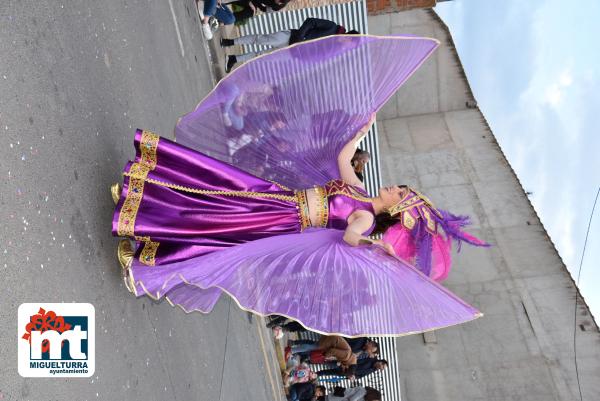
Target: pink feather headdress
column 417, row 237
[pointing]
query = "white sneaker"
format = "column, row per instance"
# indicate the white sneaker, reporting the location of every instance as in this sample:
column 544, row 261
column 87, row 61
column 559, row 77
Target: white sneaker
column 214, row 24
column 207, row 31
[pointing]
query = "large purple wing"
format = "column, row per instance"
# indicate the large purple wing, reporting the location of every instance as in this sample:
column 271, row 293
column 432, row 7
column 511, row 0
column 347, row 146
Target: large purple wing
column 314, row 278
column 286, row 115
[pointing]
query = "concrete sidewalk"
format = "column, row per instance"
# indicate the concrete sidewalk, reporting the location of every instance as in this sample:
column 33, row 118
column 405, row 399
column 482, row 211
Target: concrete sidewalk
column 76, row 80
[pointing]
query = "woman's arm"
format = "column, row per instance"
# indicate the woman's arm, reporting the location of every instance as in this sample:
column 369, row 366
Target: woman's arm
column 345, row 157
column 359, row 222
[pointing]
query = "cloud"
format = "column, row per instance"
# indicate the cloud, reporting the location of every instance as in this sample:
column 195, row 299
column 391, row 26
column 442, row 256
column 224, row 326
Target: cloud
column 541, row 95
column 554, row 93
column 566, row 79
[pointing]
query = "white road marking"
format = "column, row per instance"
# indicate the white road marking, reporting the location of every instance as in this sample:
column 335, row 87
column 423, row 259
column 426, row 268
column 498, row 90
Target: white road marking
column 177, row 29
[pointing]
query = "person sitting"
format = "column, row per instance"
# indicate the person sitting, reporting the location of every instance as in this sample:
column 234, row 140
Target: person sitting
column 311, row 28
column 298, row 374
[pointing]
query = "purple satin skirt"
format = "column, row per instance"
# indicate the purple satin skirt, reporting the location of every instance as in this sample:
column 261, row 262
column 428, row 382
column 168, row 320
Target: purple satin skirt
column 178, row 203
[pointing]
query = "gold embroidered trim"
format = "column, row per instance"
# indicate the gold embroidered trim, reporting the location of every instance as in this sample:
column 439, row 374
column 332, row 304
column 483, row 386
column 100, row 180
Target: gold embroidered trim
column 303, row 211
column 427, row 201
column 148, row 146
column 130, row 208
column 339, row 187
column 148, row 253
column 424, row 207
column 405, row 205
column 408, row 221
column 139, row 171
column 246, row 194
column 323, row 206
column 334, row 187
column 280, row 185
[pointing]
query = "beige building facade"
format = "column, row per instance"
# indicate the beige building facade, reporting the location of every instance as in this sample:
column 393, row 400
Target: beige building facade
column 433, row 136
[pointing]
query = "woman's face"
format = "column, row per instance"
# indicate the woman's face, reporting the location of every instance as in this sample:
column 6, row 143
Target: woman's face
column 364, row 158
column 392, row 195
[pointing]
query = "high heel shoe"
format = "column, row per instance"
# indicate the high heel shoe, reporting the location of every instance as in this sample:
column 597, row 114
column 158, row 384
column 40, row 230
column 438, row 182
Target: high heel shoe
column 115, row 192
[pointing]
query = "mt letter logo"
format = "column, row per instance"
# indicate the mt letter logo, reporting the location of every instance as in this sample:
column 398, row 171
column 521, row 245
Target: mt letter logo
column 56, row 340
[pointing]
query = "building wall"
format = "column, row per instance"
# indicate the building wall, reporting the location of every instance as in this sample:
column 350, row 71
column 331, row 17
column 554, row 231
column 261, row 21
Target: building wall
column 522, row 349
column 373, row 6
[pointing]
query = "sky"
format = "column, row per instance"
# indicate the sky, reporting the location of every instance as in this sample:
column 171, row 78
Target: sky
column 536, row 78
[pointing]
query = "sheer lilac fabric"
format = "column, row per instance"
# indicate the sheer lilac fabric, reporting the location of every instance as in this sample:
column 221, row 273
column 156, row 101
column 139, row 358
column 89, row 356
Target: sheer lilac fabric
column 315, row 278
column 286, row 115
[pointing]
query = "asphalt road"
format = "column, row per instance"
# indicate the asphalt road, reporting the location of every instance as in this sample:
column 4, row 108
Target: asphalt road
column 76, row 79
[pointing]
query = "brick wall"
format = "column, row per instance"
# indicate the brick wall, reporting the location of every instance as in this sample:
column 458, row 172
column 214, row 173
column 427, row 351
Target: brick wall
column 390, row 6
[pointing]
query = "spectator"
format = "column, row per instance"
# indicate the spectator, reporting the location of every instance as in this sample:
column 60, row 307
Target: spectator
column 354, row 394
column 312, row 28
column 214, row 8
column 299, row 374
column 364, row 347
column 246, row 9
column 335, row 348
column 305, row 392
column 252, row 100
column 363, row 368
column 359, row 160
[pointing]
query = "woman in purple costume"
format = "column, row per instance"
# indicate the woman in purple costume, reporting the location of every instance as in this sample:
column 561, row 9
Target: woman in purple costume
column 289, row 234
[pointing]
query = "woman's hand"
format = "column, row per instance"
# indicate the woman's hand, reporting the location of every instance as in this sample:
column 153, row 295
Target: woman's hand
column 345, row 156
column 363, row 131
column 388, row 248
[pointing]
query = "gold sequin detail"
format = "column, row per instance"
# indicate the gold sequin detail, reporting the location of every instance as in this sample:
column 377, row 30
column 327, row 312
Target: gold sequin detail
column 280, row 185
column 148, row 253
column 408, row 221
column 323, row 206
column 406, row 204
column 424, row 207
column 303, row 211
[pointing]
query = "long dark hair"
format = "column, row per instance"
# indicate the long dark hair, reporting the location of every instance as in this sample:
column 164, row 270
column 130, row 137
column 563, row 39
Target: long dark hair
column 383, row 221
